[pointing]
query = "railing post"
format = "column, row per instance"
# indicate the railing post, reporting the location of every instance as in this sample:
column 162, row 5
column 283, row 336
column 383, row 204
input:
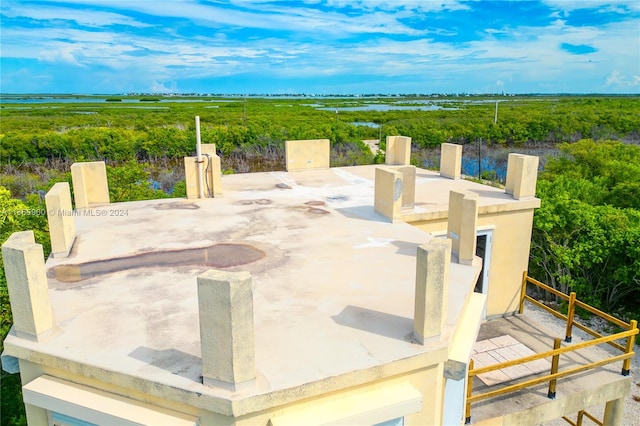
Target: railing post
column 467, row 410
column 626, row 365
column 579, row 419
column 523, row 292
column 554, row 369
column 570, row 314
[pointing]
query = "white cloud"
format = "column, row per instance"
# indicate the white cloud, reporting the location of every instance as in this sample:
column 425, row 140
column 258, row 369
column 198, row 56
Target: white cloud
column 616, row 79
column 603, row 5
column 81, row 17
column 157, row 87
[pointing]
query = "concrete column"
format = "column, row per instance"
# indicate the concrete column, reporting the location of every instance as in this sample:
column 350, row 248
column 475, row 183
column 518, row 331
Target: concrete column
column 522, row 174
column 214, row 174
column 27, row 285
column 613, row 412
column 432, row 288
column 307, row 154
column 408, row 186
column 90, row 185
column 398, row 150
column 212, row 171
column 388, row 193
column 451, row 160
column 225, row 302
column 462, row 224
column 62, row 228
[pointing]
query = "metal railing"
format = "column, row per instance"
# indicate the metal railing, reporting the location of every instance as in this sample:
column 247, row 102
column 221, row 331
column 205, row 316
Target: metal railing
column 629, row 332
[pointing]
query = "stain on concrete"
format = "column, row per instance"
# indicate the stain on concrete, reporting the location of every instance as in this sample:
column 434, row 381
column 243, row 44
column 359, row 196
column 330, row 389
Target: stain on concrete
column 221, row 255
column 338, row 198
column 315, row 203
column 259, row 201
column 317, row 211
column 282, row 186
column 177, row 205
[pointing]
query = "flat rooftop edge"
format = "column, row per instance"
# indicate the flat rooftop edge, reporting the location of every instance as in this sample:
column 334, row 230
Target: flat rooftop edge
column 333, row 286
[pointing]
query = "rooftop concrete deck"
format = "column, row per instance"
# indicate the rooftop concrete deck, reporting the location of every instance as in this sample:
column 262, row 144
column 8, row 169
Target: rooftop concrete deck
column 333, row 285
column 531, row 405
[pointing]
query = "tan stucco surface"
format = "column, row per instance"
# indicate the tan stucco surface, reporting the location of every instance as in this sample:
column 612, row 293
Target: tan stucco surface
column 333, row 285
column 333, row 294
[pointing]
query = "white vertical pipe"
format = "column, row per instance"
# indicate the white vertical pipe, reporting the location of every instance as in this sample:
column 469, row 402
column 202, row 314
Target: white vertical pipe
column 199, row 159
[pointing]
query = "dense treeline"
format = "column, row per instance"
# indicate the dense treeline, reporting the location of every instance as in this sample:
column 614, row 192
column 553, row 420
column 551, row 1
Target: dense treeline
column 123, row 132
column 586, row 235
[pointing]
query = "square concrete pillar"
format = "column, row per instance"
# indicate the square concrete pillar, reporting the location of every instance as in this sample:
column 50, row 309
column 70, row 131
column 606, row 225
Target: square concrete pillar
column 451, row 160
column 408, row 186
column 208, row 149
column 307, row 154
column 462, row 224
column 27, row 285
column 62, row 229
column 212, row 176
column 432, row 288
column 225, row 301
column 398, row 151
column 522, row 175
column 90, row 187
column 388, row 193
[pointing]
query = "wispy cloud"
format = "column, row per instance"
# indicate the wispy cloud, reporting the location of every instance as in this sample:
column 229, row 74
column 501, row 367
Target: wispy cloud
column 306, row 46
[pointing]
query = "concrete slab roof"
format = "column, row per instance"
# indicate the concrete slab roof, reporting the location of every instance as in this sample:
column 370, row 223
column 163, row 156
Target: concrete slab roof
column 333, row 286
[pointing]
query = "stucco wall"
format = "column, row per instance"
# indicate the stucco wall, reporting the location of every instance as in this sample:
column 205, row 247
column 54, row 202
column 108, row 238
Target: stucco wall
column 509, row 256
column 428, row 381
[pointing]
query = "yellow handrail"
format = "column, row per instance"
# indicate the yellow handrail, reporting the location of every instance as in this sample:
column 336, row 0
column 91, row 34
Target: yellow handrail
column 552, row 352
column 627, row 350
column 548, row 377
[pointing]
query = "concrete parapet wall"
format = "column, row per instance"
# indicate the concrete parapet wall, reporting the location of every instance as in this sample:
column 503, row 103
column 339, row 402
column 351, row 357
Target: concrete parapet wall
column 307, row 154
column 90, row 187
column 408, row 186
column 398, row 150
column 432, row 288
column 225, row 302
column 462, row 224
column 388, row 193
column 522, row 175
column 28, row 287
column 451, row 160
column 62, row 229
column 211, row 170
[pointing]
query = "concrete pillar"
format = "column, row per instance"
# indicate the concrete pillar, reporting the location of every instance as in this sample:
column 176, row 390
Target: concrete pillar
column 398, row 150
column 212, row 174
column 432, row 288
column 613, row 412
column 462, row 224
column 90, row 185
column 522, row 175
column 307, row 154
column 62, row 228
column 408, row 186
column 27, row 285
column 451, row 160
column 225, row 302
column 388, row 193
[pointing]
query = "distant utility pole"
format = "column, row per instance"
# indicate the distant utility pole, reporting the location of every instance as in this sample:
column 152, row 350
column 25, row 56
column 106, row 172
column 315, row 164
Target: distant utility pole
column 495, row 118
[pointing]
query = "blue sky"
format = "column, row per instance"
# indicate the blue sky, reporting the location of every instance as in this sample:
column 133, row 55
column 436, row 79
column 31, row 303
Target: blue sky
column 320, row 46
